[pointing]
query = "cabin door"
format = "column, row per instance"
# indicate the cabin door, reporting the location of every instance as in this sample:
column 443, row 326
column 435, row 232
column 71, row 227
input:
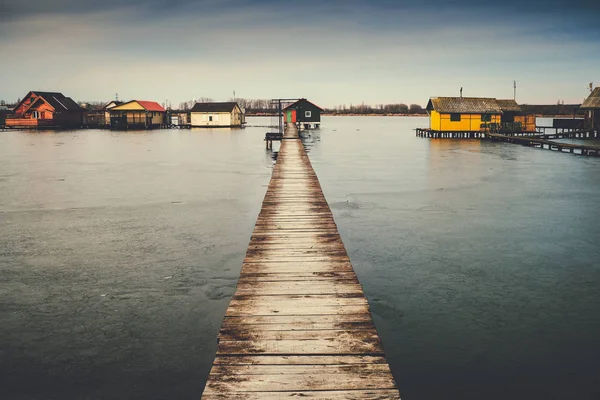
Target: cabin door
column 290, row 116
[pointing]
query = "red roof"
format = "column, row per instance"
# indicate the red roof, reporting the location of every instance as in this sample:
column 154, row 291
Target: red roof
column 151, row 105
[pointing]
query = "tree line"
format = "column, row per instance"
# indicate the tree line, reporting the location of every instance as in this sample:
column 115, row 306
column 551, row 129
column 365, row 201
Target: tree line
column 379, row 109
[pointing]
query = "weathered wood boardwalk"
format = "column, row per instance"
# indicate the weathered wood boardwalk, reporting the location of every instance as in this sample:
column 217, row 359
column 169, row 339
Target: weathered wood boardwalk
column 298, row 325
column 579, row 149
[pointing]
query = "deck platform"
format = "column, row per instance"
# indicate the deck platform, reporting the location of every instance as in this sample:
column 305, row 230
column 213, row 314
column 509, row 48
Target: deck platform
column 579, row 149
column 298, row 325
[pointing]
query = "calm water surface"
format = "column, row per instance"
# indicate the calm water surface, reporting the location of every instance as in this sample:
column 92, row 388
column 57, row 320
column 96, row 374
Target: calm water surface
column 119, row 253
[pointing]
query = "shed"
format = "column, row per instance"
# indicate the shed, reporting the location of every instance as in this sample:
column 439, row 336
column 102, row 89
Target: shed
column 46, row 110
column 514, row 119
column 217, row 115
column 304, row 113
column 591, row 105
column 137, row 114
column 463, row 114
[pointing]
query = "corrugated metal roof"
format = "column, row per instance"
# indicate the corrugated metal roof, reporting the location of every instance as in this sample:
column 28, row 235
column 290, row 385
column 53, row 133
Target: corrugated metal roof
column 508, row 105
column 464, row 105
column 214, row 107
column 59, row 101
column 593, row 101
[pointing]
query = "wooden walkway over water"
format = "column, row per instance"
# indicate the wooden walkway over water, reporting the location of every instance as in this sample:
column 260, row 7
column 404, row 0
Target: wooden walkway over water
column 579, row 149
column 299, row 324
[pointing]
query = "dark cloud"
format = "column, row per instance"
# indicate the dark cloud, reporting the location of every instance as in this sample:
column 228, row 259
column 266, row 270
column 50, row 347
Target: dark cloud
column 19, row 9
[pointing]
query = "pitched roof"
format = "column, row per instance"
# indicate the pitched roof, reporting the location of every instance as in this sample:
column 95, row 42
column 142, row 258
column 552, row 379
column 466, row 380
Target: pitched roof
column 59, row 101
column 146, row 105
column 294, row 104
column 151, row 105
column 112, row 104
column 214, row 107
column 464, row 105
column 593, row 101
column 508, row 105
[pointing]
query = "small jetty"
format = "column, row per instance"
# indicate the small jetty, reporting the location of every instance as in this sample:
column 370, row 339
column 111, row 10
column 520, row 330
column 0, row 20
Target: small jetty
column 580, row 149
column 299, row 324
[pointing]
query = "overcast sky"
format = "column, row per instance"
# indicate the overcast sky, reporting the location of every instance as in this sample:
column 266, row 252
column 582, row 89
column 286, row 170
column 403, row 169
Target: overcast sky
column 332, row 52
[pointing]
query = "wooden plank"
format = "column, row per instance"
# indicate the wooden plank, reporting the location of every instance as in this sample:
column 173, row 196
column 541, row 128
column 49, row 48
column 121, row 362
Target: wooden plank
column 300, row 369
column 374, row 394
column 254, row 333
column 299, row 360
column 308, row 320
column 347, row 380
column 298, row 347
column 298, row 287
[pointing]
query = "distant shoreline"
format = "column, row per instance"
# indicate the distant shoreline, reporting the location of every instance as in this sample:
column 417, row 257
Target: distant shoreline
column 563, row 116
column 347, row 115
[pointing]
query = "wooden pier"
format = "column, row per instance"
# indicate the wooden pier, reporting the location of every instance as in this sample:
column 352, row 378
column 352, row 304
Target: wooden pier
column 299, row 325
column 580, row 149
column 433, row 134
column 539, row 134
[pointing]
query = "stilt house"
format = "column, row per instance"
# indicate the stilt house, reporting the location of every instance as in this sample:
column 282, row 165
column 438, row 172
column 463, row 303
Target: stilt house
column 303, row 113
column 463, row 114
column 46, row 110
column 217, row 115
column 591, row 105
column 137, row 114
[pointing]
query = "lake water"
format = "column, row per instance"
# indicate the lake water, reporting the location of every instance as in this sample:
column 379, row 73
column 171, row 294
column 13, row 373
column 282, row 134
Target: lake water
column 119, row 253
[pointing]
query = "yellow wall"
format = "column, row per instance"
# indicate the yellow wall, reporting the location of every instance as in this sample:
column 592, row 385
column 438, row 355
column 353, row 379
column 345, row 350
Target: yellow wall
column 528, row 123
column 132, row 105
column 467, row 123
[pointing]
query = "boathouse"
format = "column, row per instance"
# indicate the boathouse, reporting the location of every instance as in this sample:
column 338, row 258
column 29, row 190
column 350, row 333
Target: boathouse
column 463, row 114
column 46, row 110
column 137, row 114
column 591, row 105
column 513, row 118
column 216, row 115
column 304, row 114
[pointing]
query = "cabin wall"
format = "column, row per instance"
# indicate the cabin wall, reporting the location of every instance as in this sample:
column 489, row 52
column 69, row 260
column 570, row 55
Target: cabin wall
column 237, row 117
column 595, row 119
column 41, row 111
column 136, row 119
column 218, row 119
column 134, row 105
column 69, row 118
column 467, row 123
column 302, row 107
column 528, row 123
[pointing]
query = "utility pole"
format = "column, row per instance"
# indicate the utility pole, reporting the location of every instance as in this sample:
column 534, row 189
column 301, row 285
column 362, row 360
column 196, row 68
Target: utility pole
column 515, row 90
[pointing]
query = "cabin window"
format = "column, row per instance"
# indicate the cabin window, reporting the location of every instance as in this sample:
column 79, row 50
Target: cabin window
column 486, row 117
column 210, row 118
column 36, row 115
column 455, row 117
column 307, row 114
